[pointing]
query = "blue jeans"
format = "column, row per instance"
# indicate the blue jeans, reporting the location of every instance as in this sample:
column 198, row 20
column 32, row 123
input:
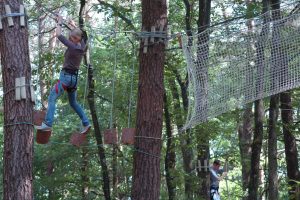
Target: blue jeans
column 65, row 81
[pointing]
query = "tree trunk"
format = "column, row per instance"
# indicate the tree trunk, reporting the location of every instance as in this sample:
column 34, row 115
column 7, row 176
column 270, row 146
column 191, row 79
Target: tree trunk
column 203, row 141
column 204, row 176
column 258, row 110
column 18, row 128
column 245, row 140
column 93, row 110
column 185, row 140
column 84, row 174
column 291, row 153
column 256, row 150
column 98, row 135
column 146, row 168
column 115, row 175
column 272, row 148
column 170, row 160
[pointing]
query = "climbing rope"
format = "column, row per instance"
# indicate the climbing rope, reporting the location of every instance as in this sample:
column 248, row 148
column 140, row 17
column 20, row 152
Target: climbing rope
column 113, row 84
column 131, row 84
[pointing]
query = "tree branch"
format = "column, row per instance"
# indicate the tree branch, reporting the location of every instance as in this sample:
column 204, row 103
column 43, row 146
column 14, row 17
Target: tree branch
column 117, row 13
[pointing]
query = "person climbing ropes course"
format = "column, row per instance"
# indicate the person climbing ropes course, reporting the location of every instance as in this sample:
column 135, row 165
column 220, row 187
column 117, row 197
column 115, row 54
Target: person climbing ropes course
column 215, row 179
column 76, row 47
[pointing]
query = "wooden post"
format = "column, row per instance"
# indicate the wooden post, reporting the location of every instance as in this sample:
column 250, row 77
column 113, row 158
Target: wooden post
column 205, row 165
column 199, row 165
column 22, row 18
column 161, row 30
column 9, row 19
column 153, row 32
column 32, row 94
column 23, row 87
column 18, row 89
column 169, row 32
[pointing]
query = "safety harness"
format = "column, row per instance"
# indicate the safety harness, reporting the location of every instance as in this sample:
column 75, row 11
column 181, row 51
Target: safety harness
column 72, row 87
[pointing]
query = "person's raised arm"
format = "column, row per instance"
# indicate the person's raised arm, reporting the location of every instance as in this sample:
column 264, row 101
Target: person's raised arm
column 58, row 25
column 59, row 35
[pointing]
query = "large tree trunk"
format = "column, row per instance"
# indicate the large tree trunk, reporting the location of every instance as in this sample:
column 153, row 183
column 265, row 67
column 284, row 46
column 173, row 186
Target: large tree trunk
column 18, row 130
column 204, row 176
column 258, row 113
column 146, row 168
column 291, row 153
column 256, row 150
column 93, row 110
column 170, row 159
column 185, row 139
column 272, row 148
column 245, row 135
column 203, row 141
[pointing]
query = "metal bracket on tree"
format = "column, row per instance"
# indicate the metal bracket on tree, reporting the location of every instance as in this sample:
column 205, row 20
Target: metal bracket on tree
column 147, row 37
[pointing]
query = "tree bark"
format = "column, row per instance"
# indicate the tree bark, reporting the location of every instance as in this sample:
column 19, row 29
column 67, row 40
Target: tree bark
column 170, row 160
column 146, row 168
column 291, row 152
column 84, row 174
column 272, row 148
column 258, row 111
column 204, row 176
column 256, row 150
column 245, row 140
column 18, row 130
column 98, row 135
column 203, row 141
column 115, row 175
column 185, row 140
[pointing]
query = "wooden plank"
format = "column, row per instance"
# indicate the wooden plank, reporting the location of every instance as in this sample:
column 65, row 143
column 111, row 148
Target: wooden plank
column 32, row 93
column 22, row 18
column 23, row 87
column 153, row 32
column 18, row 89
column 9, row 19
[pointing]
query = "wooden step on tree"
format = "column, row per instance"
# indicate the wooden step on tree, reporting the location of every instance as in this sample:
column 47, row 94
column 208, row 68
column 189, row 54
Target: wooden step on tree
column 18, row 126
column 111, row 136
column 128, row 136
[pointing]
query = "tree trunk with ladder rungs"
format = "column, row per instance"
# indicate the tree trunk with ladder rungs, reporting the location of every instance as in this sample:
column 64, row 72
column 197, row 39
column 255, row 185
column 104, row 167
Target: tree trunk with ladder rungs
column 18, row 139
column 146, row 168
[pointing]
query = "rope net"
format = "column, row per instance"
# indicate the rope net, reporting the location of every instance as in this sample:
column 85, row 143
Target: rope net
column 241, row 61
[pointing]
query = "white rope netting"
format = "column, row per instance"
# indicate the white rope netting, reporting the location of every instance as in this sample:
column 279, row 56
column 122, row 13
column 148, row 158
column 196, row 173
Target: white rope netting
column 242, row 61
